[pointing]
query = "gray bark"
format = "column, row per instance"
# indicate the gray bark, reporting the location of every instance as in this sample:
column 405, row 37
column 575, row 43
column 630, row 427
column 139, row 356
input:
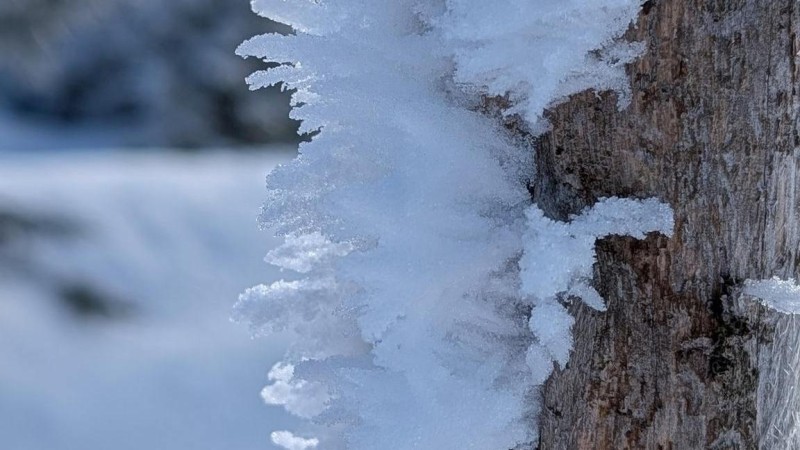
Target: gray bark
column 681, row 360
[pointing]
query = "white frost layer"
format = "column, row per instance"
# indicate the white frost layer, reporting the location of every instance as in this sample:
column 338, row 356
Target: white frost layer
column 559, row 255
column 558, row 258
column 539, row 52
column 299, row 397
column 780, row 295
column 406, row 214
column 289, row 441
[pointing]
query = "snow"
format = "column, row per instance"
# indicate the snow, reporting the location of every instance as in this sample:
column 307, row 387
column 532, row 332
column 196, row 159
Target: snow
column 540, row 52
column 289, row 441
column 372, row 334
column 780, row 295
column 558, row 259
column 413, row 250
column 170, row 239
column 558, row 255
column 300, row 398
column 304, row 252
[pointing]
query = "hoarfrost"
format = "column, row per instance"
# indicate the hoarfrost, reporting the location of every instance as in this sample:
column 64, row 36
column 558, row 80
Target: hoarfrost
column 289, row 441
column 407, row 214
column 540, row 52
column 558, row 258
column 780, row 295
column 301, row 253
column 300, row 398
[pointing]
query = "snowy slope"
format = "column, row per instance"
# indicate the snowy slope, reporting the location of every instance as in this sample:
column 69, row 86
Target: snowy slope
column 168, row 241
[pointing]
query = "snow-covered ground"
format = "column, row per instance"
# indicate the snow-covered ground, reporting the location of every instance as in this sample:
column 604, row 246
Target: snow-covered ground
column 117, row 276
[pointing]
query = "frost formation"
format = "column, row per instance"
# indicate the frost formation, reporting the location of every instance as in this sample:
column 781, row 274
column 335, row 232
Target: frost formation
column 289, row 441
column 428, row 310
column 780, row 295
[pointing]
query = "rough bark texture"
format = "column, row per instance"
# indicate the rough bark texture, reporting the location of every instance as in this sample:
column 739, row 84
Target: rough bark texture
column 680, row 360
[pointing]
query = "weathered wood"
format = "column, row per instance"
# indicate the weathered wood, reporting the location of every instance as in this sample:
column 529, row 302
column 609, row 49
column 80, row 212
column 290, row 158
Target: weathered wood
column 712, row 129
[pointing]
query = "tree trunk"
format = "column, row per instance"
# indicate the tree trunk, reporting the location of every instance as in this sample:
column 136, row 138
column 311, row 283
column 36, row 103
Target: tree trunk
column 681, row 359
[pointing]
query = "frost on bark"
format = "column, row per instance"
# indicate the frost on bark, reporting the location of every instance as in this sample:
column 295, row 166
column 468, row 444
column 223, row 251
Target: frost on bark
column 681, row 359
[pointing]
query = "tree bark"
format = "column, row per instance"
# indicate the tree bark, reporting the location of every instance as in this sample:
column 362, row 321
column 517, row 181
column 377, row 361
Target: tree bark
column 681, row 359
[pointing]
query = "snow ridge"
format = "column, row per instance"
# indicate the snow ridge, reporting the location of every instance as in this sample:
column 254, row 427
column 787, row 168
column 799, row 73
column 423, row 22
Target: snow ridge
column 407, row 216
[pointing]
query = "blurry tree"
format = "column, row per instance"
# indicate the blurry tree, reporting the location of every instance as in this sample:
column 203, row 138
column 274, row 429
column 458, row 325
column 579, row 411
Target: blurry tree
column 166, row 69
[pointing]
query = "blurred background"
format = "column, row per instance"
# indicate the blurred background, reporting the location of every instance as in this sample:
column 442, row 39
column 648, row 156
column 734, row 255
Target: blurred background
column 132, row 164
